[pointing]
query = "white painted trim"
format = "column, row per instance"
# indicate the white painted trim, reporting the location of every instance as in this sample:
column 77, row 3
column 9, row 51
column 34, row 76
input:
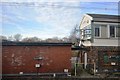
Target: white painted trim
column 85, row 60
column 105, row 42
column 105, row 23
column 100, row 31
column 108, row 28
column 84, row 16
column 115, row 31
column 91, row 18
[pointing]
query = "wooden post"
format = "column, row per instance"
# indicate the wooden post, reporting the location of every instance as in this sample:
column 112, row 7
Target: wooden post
column 94, row 68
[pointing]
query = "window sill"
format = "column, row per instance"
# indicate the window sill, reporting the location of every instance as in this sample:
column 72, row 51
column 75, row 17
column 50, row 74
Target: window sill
column 107, row 38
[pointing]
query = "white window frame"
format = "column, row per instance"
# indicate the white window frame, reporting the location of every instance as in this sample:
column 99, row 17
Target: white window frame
column 115, row 31
column 108, row 26
column 99, row 32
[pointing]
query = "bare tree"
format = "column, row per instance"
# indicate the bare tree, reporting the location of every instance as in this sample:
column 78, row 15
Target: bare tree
column 25, row 39
column 10, row 38
column 3, row 38
column 54, row 39
column 65, row 39
column 49, row 40
column 74, row 35
column 32, row 39
column 17, row 37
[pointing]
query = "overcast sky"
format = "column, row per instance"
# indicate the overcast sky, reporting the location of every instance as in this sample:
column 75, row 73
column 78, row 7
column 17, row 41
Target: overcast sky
column 46, row 19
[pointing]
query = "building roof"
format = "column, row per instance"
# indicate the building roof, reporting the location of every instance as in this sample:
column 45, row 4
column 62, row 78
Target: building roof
column 11, row 43
column 105, row 18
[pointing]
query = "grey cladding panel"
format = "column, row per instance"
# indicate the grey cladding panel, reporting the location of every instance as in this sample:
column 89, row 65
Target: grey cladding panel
column 104, row 31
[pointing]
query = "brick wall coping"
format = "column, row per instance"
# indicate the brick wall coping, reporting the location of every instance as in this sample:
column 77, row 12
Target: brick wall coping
column 10, row 43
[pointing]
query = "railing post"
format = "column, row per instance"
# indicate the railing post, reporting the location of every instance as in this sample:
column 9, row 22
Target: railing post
column 94, row 68
column 54, row 75
column 75, row 69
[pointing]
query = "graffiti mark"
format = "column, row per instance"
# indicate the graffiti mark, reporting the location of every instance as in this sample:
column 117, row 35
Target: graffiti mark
column 16, row 60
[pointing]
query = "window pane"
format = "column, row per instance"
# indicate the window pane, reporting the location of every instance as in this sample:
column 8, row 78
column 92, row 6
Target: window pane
column 112, row 31
column 87, row 31
column 97, row 32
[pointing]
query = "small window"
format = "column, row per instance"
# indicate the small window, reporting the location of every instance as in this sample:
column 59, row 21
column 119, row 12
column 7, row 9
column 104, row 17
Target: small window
column 88, row 31
column 97, row 32
column 112, row 31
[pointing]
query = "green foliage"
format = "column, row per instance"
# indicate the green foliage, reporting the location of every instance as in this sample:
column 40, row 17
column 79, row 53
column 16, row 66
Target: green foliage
column 90, row 69
column 79, row 70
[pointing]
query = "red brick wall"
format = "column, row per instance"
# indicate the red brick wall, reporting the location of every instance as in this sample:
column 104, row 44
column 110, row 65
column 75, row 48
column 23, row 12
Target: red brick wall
column 17, row 59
